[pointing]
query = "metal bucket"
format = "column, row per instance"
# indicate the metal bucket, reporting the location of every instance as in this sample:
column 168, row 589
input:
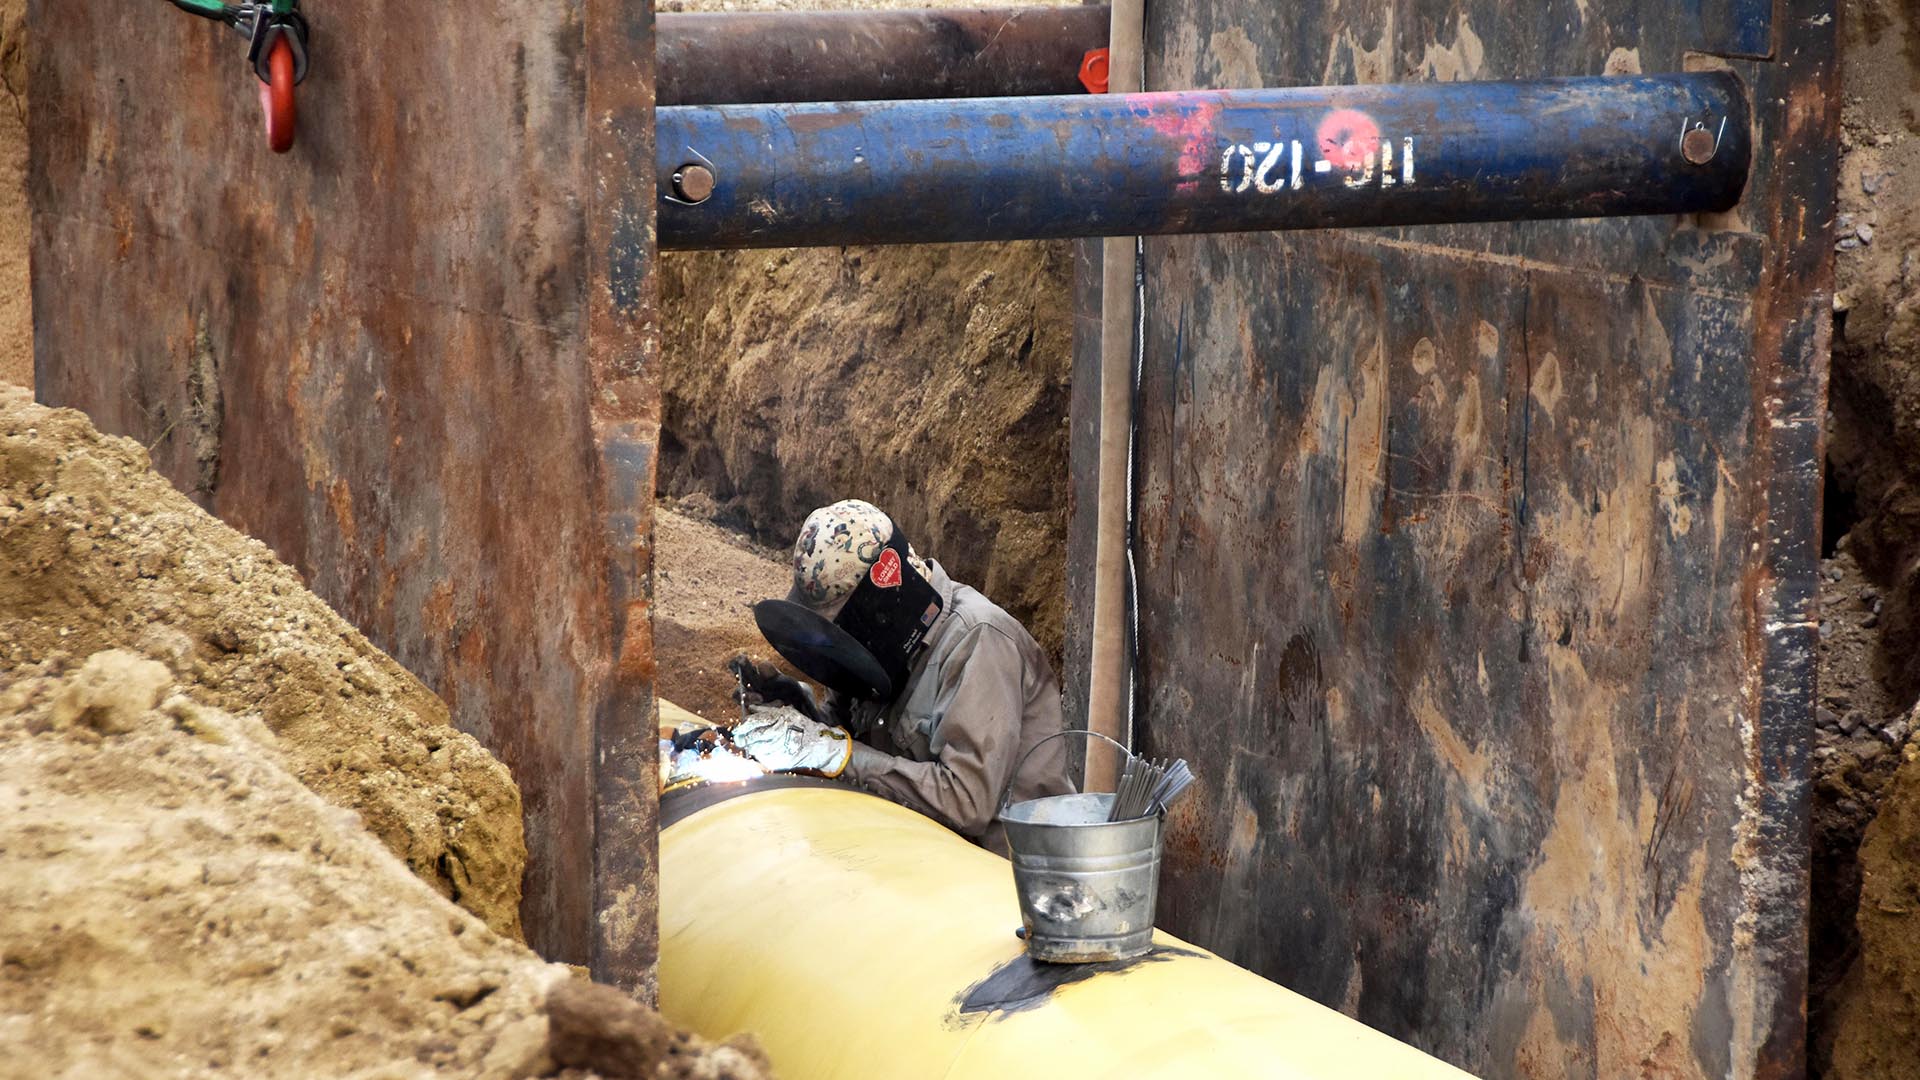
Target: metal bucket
column 1087, row 886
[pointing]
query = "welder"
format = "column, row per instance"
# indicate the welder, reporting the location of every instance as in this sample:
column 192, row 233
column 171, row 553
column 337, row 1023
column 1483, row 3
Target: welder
column 934, row 691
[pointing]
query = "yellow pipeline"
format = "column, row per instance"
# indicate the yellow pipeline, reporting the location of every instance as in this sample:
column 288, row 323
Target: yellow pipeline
column 846, row 933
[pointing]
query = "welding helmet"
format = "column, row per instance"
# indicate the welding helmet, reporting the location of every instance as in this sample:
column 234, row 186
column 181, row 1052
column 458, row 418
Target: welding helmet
column 861, row 604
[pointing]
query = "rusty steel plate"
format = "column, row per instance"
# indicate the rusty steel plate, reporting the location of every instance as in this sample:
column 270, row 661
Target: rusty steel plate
column 1476, row 566
column 415, row 356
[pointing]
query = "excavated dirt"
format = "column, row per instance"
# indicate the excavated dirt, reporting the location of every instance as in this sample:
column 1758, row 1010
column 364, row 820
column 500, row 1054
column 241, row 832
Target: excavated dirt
column 933, row 380
column 176, row 902
column 706, row 580
column 98, row 552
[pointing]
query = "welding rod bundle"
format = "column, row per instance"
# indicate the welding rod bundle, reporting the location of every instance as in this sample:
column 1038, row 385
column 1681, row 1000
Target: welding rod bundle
column 1148, row 787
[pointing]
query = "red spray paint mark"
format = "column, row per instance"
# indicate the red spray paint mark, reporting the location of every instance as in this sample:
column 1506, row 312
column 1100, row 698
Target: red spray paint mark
column 1191, row 122
column 1348, row 138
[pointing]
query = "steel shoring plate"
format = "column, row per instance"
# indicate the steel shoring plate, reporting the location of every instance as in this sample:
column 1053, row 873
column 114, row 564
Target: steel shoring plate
column 1475, row 564
column 380, row 355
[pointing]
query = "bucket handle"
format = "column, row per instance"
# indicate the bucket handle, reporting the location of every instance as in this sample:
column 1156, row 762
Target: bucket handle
column 1007, row 792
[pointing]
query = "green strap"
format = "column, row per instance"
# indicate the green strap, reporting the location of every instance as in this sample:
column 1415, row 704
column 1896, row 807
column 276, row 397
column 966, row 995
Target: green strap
column 215, row 9
column 211, row 9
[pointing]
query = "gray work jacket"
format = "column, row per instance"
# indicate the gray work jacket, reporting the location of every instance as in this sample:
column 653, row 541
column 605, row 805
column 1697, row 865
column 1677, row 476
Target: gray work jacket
column 980, row 695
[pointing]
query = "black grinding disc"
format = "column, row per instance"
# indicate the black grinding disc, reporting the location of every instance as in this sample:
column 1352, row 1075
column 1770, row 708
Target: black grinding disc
column 822, row 651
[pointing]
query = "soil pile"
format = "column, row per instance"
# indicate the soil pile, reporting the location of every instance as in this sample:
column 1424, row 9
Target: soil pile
column 1870, row 594
column 98, row 552
column 174, row 901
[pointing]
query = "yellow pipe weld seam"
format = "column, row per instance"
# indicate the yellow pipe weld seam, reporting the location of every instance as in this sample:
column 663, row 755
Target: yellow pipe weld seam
column 857, row 939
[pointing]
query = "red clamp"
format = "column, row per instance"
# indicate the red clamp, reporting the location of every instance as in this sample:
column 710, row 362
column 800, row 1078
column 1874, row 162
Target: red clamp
column 276, row 96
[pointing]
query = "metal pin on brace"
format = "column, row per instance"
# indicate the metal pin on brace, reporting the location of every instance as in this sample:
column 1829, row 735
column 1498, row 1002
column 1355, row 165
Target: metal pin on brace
column 693, row 183
column 1697, row 146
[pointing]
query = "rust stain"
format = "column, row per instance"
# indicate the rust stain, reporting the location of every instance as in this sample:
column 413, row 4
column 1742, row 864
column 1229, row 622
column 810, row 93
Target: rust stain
column 437, row 612
column 636, row 656
column 340, row 498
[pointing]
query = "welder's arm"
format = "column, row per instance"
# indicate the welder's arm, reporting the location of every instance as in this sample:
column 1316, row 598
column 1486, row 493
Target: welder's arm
column 981, row 706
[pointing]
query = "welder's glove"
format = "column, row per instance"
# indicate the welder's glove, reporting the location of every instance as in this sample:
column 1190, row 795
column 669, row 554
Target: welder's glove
column 762, row 684
column 783, row 740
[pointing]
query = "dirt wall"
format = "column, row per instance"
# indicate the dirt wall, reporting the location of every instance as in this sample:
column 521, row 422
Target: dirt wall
column 1878, row 1017
column 1869, row 671
column 706, row 580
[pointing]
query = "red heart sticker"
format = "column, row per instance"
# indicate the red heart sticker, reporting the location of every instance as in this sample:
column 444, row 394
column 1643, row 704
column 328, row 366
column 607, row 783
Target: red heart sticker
column 886, row 569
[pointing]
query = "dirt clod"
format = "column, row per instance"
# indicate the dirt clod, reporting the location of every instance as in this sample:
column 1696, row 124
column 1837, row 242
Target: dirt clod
column 600, row 1030
column 111, row 693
